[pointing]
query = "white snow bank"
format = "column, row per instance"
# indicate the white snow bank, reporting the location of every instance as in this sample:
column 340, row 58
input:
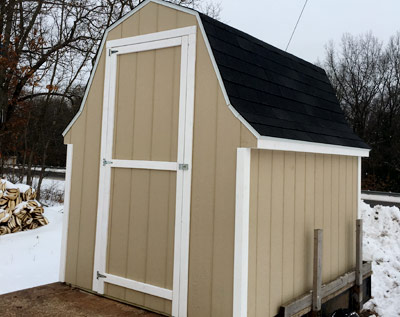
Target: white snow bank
column 32, row 258
column 382, row 247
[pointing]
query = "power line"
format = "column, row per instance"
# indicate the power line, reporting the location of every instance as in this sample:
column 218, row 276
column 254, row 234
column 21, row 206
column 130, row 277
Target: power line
column 297, row 23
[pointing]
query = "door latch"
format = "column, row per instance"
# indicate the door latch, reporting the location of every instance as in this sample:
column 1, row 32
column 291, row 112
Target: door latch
column 105, row 162
column 99, row 275
column 184, row 167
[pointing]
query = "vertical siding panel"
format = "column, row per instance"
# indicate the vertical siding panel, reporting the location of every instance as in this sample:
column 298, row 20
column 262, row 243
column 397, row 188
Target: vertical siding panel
column 349, row 213
column 144, row 103
column 118, row 229
column 264, row 233
column 224, row 214
column 327, row 209
column 167, row 18
column 342, row 215
column 276, row 231
column 309, row 216
column 253, row 232
column 163, row 108
column 354, row 206
column 288, row 226
column 157, row 235
column 319, row 192
column 299, row 230
column 76, row 196
column 203, row 187
column 148, row 19
column 124, row 106
column 335, row 254
column 90, row 176
column 130, row 27
column 137, row 237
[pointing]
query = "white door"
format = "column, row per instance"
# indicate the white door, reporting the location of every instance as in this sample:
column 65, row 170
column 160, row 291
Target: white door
column 143, row 217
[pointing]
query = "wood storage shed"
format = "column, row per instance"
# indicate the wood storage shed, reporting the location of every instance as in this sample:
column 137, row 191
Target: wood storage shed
column 199, row 165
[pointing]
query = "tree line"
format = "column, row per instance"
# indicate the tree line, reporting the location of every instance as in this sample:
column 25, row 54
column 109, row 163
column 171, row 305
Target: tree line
column 366, row 76
column 47, row 50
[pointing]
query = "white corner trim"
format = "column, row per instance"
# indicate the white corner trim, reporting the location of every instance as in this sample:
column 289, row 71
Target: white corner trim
column 359, row 188
column 67, row 199
column 242, row 214
column 278, row 144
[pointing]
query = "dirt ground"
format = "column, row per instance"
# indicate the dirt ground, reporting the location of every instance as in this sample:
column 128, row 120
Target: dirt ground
column 61, row 300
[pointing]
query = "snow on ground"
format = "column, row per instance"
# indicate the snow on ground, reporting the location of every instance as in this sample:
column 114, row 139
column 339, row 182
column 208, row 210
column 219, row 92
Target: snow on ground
column 382, row 247
column 32, row 258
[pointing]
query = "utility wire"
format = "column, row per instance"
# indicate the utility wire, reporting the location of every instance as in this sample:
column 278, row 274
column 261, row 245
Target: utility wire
column 295, row 27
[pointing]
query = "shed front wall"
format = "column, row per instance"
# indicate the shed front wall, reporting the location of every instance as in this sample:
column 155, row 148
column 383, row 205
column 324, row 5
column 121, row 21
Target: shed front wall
column 291, row 194
column 217, row 135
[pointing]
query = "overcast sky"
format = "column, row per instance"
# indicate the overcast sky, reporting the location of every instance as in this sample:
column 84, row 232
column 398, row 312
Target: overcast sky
column 273, row 21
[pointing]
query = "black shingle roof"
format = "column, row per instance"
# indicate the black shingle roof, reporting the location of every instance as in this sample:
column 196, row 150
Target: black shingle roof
column 279, row 94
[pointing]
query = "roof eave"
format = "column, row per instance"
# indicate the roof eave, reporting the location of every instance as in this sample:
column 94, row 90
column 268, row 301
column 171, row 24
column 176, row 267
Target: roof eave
column 278, row 144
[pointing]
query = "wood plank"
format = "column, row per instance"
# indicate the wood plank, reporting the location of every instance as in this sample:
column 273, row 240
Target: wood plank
column 359, row 253
column 303, row 304
column 317, row 271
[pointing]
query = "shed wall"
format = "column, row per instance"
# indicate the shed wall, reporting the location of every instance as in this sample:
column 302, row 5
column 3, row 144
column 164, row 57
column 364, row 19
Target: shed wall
column 291, row 194
column 217, row 134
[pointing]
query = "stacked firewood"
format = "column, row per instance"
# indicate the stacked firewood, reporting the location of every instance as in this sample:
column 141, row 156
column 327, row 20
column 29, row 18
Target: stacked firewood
column 19, row 211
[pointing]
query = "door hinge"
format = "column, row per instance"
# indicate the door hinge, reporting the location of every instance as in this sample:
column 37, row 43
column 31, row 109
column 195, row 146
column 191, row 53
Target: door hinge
column 110, row 52
column 105, row 162
column 99, row 275
column 184, row 167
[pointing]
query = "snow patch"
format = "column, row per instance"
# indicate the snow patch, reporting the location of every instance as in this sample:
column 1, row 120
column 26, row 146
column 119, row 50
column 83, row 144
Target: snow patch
column 382, row 248
column 32, row 258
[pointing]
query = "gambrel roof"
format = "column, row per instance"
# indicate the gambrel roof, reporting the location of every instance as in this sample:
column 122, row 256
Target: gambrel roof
column 283, row 100
column 278, row 94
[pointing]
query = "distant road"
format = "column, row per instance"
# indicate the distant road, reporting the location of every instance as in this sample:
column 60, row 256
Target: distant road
column 51, row 172
column 374, row 198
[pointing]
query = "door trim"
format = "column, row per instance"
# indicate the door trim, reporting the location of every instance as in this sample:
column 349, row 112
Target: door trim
column 186, row 38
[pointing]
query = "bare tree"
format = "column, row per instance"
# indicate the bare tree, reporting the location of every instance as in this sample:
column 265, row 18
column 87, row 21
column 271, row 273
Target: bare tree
column 357, row 75
column 47, row 49
column 366, row 77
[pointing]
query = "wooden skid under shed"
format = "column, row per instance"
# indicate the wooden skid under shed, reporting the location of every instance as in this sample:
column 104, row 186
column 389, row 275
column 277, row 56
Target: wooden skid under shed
column 303, row 304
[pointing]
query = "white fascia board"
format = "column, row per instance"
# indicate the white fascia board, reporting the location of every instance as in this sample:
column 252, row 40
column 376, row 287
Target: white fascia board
column 278, row 144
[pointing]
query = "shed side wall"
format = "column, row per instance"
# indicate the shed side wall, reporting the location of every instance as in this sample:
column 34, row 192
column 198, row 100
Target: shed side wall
column 217, row 134
column 291, row 194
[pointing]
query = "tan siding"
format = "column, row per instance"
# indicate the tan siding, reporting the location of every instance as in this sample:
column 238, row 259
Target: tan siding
column 217, row 135
column 302, row 194
column 300, row 268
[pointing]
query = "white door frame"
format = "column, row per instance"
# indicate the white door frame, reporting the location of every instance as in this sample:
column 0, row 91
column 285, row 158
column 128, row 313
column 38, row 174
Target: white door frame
column 186, row 38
